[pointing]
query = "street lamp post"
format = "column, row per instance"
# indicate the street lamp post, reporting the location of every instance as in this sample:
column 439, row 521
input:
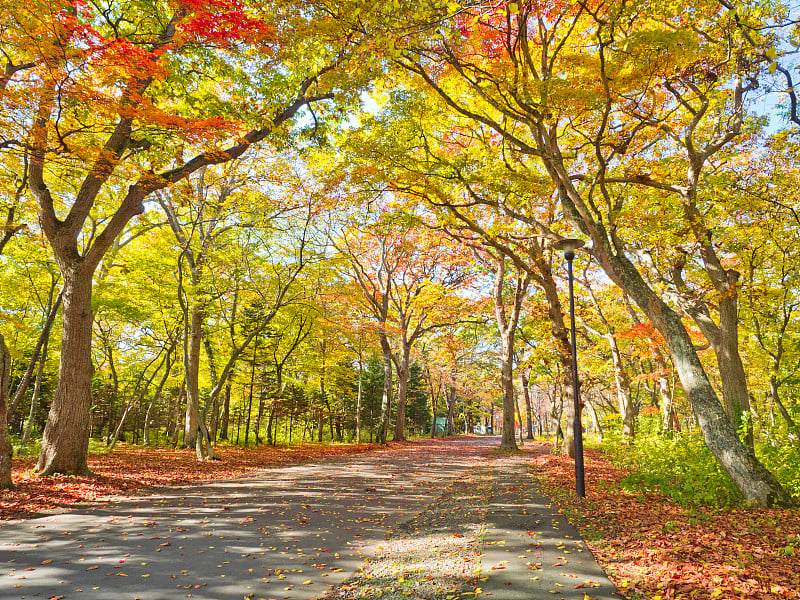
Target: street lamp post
column 568, row 246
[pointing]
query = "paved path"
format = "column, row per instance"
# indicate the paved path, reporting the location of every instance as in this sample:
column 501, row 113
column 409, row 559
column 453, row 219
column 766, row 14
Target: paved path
column 289, row 533
column 530, row 550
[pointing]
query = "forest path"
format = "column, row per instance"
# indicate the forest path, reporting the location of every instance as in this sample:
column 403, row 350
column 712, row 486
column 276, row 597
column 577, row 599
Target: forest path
column 288, row 533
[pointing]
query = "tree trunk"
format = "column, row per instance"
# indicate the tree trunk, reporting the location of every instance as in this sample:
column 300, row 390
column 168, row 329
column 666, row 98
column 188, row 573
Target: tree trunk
column 528, row 408
column 226, row 414
column 595, row 420
column 270, row 437
column 6, row 449
column 623, row 389
column 773, row 389
column 519, row 416
column 43, row 337
column 450, row 397
column 507, row 327
column 358, row 397
column 250, row 396
column 668, row 416
column 191, row 355
column 65, row 444
column 262, row 397
column 325, row 396
column 433, row 393
column 402, row 392
column 508, row 440
column 386, row 398
column 154, row 401
column 731, row 369
column 37, row 388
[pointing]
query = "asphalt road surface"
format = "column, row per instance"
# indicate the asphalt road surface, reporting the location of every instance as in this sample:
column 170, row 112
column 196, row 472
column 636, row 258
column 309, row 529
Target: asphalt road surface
column 287, row 533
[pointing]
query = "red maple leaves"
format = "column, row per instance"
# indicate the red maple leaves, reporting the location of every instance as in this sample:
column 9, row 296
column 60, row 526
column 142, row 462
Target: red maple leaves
column 131, row 468
column 654, row 548
column 222, row 22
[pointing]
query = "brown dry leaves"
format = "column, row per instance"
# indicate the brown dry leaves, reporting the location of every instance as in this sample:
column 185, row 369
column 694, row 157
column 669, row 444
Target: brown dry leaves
column 133, row 468
column 665, row 551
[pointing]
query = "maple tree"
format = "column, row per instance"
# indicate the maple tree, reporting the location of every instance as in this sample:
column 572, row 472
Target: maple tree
column 406, row 274
column 118, row 96
column 522, row 71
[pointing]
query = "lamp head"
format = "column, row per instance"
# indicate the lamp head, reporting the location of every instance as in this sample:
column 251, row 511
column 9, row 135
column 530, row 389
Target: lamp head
column 568, row 245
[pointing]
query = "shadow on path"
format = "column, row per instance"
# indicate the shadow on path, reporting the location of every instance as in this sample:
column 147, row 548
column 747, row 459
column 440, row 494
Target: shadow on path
column 285, row 533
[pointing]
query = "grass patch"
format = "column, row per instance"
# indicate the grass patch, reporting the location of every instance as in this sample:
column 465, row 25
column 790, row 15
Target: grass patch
column 679, row 467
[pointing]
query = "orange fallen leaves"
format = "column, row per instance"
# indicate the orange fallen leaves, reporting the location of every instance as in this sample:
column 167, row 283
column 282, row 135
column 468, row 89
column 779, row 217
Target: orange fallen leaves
column 653, row 548
column 132, row 468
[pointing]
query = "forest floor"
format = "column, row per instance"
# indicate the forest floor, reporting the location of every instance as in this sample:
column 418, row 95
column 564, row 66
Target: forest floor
column 655, row 549
column 132, row 468
column 650, row 547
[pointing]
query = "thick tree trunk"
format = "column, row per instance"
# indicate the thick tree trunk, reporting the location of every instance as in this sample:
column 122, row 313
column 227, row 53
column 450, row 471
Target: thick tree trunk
column 65, row 444
column 193, row 345
column 731, row 369
column 754, row 481
column 402, row 392
column 508, row 440
column 6, row 449
column 724, row 339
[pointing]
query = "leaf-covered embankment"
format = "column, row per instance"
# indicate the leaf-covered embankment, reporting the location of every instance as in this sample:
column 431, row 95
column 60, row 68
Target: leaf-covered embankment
column 654, row 548
column 131, row 468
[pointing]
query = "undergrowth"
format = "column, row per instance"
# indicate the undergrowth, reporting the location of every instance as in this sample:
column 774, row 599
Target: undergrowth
column 680, row 467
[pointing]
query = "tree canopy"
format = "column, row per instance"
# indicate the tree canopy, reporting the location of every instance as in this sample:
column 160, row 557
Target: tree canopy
column 230, row 221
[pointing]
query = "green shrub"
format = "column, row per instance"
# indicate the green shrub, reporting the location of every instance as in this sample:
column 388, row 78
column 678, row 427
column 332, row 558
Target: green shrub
column 32, row 448
column 783, row 459
column 679, row 467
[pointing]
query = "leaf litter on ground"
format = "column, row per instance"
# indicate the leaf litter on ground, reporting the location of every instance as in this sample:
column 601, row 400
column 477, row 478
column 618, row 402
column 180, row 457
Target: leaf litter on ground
column 131, row 469
column 653, row 548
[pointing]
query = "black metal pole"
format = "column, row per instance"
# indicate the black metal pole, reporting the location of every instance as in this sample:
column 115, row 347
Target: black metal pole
column 580, row 487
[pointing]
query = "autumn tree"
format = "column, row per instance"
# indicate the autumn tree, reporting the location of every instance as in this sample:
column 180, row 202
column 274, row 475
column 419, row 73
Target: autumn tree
column 125, row 99
column 507, row 308
column 611, row 108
